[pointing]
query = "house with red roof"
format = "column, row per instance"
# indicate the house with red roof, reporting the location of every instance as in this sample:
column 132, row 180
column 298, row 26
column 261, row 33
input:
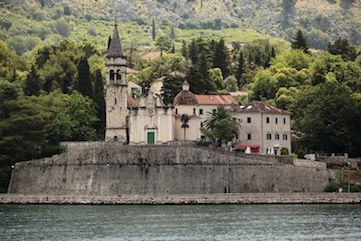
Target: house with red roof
column 264, row 129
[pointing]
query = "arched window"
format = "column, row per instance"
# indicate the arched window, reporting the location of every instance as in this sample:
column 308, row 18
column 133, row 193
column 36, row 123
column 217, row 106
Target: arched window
column 115, row 101
column 119, row 77
column 111, row 75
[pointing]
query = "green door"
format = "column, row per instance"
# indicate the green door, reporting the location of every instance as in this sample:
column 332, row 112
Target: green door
column 151, row 137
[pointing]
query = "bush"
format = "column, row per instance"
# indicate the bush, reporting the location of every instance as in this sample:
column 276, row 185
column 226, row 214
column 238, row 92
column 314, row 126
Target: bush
column 301, row 154
column 284, row 151
column 332, row 186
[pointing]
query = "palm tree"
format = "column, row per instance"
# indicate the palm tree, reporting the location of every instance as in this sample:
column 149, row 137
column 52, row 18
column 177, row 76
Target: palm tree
column 184, row 120
column 221, row 125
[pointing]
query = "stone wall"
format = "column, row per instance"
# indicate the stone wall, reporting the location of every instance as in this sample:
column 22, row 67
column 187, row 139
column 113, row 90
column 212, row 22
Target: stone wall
column 113, row 169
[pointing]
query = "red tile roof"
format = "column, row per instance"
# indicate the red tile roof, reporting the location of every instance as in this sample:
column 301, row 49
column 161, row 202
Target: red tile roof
column 150, row 55
column 131, row 71
column 261, row 107
column 216, row 100
column 185, row 97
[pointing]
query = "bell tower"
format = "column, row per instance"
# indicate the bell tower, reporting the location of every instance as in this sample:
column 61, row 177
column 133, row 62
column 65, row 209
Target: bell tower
column 116, row 91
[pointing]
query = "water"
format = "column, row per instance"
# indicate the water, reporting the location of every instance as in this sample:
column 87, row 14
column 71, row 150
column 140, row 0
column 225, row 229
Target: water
column 177, row 222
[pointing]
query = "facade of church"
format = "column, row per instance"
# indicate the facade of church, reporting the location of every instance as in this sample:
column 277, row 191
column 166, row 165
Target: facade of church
column 264, row 129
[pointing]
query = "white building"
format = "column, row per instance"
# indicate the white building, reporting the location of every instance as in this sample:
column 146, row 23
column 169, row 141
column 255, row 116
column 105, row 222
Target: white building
column 264, row 129
column 197, row 108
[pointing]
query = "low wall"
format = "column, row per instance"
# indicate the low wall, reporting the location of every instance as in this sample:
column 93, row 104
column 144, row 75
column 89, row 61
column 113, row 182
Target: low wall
column 112, row 169
column 236, row 198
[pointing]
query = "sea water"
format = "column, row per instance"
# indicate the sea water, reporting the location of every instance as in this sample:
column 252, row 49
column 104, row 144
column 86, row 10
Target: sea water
column 180, row 222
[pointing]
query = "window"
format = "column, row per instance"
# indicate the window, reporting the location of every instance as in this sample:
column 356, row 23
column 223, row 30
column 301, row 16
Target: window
column 201, row 124
column 285, row 137
column 249, row 120
column 119, row 77
column 200, row 111
column 269, row 136
column 214, row 110
column 176, row 111
column 267, row 119
column 249, row 136
column 194, row 111
column 277, row 136
column 284, row 120
column 111, row 76
column 276, row 120
column 115, row 101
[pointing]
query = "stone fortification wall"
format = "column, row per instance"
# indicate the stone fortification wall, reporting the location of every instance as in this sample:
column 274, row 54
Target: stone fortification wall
column 113, row 169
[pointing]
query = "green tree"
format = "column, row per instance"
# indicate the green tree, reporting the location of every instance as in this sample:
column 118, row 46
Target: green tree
column 172, row 85
column 221, row 125
column 10, row 63
column 99, row 100
column 240, row 69
column 73, row 118
column 32, row 83
column 231, row 83
column 324, row 114
column 288, row 4
column 185, row 120
column 342, row 47
column 154, row 34
column 164, row 43
column 172, row 33
column 300, row 42
column 184, row 50
column 24, row 131
column 84, row 85
column 221, row 58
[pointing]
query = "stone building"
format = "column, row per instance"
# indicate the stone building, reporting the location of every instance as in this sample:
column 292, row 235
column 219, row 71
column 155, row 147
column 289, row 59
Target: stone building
column 264, row 129
column 147, row 121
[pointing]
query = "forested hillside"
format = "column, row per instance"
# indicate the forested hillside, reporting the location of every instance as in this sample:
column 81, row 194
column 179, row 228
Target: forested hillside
column 27, row 23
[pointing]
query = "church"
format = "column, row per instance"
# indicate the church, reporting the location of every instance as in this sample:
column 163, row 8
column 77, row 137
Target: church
column 264, row 129
column 147, row 121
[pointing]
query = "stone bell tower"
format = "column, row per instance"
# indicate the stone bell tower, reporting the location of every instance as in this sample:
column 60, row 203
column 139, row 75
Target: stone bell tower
column 116, row 91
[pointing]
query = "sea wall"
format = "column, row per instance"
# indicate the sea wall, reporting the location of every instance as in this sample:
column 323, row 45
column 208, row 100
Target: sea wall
column 113, row 169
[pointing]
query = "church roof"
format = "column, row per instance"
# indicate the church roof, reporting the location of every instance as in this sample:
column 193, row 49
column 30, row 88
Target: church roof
column 185, row 97
column 115, row 47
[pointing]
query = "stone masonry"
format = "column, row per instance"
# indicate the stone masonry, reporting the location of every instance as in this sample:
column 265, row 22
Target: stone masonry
column 106, row 169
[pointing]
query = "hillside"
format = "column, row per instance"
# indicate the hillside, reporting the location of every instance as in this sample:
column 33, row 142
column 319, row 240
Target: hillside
column 27, row 23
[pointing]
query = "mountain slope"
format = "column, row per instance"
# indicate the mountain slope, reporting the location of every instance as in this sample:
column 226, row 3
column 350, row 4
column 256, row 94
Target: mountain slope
column 27, row 23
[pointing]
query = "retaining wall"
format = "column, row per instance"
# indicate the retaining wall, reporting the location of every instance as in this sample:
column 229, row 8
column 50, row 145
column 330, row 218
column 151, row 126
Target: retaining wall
column 113, row 169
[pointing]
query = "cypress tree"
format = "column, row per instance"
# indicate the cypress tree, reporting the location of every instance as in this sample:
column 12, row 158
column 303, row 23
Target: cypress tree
column 172, row 33
column 99, row 99
column 221, row 58
column 153, row 30
column 240, row 68
column 84, row 85
column 184, row 50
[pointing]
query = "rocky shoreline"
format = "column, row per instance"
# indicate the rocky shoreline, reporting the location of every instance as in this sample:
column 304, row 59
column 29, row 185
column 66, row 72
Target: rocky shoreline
column 164, row 199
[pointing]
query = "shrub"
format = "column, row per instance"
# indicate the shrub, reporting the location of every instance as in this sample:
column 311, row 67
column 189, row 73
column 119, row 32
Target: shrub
column 301, row 154
column 284, row 151
column 332, row 186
